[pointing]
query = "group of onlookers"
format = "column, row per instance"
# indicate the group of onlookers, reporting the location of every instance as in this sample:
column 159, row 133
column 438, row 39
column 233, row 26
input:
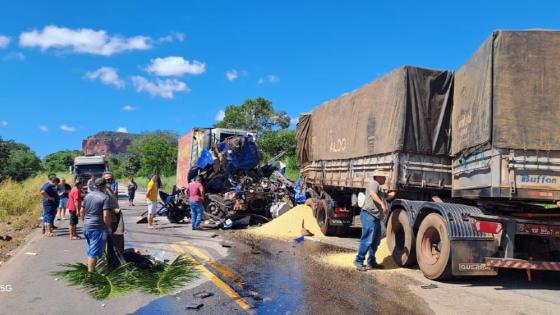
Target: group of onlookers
column 100, row 212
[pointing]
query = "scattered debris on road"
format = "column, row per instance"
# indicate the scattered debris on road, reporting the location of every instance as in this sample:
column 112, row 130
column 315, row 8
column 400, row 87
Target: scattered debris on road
column 429, row 286
column 30, row 254
column 194, row 306
column 203, row 294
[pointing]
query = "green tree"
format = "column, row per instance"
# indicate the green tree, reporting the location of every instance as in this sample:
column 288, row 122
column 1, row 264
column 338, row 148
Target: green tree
column 273, row 142
column 255, row 115
column 130, row 165
column 157, row 153
column 60, row 161
column 18, row 161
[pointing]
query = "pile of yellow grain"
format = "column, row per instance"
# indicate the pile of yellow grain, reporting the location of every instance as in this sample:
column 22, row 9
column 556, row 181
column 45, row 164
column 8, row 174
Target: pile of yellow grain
column 288, row 225
column 345, row 260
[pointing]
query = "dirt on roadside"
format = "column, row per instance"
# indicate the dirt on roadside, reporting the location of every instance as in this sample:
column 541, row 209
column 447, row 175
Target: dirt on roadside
column 13, row 233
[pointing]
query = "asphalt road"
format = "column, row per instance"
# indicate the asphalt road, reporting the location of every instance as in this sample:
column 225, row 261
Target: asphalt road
column 250, row 275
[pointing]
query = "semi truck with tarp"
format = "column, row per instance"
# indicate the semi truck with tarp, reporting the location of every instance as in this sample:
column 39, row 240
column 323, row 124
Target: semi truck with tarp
column 474, row 158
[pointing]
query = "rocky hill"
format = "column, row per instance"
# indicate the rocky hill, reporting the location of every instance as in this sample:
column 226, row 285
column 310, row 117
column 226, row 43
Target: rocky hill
column 107, row 142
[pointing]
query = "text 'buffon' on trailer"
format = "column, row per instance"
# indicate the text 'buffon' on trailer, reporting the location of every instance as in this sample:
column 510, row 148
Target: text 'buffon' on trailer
column 473, row 156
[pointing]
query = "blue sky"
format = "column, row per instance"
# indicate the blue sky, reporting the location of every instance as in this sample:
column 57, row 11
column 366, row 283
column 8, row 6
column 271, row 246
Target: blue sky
column 68, row 69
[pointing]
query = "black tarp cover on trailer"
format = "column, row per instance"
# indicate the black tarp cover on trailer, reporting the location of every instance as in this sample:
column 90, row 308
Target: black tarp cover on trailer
column 406, row 110
column 508, row 94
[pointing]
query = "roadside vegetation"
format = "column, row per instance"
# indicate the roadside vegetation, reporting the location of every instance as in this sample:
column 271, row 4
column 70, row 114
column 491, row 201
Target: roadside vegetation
column 20, row 210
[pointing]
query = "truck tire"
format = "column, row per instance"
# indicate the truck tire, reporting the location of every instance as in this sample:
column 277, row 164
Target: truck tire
column 400, row 238
column 323, row 218
column 433, row 248
column 214, row 205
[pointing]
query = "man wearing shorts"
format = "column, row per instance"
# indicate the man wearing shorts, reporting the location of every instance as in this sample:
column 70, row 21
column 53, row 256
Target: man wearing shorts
column 75, row 205
column 97, row 222
column 63, row 191
column 50, row 204
column 151, row 199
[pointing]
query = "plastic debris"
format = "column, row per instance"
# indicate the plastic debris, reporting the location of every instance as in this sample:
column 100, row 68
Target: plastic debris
column 203, row 294
column 194, row 306
column 30, row 253
column 299, row 239
column 160, row 256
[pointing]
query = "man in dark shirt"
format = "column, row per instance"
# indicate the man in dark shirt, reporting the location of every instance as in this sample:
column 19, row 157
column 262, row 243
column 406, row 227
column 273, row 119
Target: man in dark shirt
column 373, row 211
column 96, row 214
column 50, row 204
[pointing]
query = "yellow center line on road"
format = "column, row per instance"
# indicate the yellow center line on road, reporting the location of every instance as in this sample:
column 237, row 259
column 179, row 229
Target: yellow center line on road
column 215, row 280
column 225, row 271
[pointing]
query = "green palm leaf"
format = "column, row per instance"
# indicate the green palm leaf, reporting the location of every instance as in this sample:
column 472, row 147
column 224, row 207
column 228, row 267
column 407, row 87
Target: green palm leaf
column 167, row 277
column 106, row 283
column 101, row 284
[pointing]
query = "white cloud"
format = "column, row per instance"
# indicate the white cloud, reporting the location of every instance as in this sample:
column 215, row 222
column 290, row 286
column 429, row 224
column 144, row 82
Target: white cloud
column 294, row 121
column 232, row 75
column 108, row 76
column 129, row 108
column 171, row 37
column 271, row 78
column 43, row 128
column 3, row 123
column 162, row 88
column 14, row 56
column 83, row 40
column 175, row 66
column 67, row 128
column 220, row 115
column 122, row 129
column 4, row 41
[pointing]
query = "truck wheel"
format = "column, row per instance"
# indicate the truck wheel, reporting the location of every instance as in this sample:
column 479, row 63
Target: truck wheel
column 214, row 205
column 323, row 218
column 433, row 248
column 400, row 239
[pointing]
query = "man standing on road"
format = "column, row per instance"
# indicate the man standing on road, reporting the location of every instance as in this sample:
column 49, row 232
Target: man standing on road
column 117, row 220
column 132, row 187
column 195, row 192
column 63, row 191
column 96, row 214
column 372, row 213
column 50, row 204
column 74, row 205
column 151, row 199
column 91, row 184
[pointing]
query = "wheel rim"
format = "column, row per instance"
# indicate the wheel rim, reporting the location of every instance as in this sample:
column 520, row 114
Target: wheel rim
column 214, row 209
column 431, row 246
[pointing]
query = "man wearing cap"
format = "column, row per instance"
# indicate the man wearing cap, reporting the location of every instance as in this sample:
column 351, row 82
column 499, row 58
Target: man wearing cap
column 96, row 214
column 373, row 211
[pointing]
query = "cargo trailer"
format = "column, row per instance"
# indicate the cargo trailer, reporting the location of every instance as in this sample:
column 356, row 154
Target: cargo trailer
column 475, row 161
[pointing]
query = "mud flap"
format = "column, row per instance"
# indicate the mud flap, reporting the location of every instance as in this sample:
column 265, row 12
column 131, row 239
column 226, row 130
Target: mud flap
column 467, row 257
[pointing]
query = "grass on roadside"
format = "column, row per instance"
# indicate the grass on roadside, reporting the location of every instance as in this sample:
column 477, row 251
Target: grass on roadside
column 21, row 198
column 20, row 209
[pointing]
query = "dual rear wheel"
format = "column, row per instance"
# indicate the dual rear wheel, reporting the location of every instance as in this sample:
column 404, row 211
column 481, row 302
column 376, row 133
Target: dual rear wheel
column 430, row 247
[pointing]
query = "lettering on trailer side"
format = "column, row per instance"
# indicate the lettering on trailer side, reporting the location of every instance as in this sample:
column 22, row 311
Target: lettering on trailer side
column 474, row 267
